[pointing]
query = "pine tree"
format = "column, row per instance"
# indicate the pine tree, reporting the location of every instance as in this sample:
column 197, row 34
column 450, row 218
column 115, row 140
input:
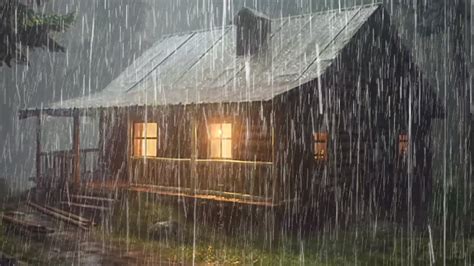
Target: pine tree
column 22, row 29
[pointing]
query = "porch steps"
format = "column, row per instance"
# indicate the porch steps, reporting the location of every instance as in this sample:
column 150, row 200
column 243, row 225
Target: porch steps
column 84, row 206
column 85, row 197
column 61, row 215
column 91, row 205
column 91, row 200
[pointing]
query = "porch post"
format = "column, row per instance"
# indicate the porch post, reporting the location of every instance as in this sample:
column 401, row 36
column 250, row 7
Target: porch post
column 38, row 151
column 275, row 176
column 130, row 173
column 101, row 144
column 76, row 150
column 193, row 150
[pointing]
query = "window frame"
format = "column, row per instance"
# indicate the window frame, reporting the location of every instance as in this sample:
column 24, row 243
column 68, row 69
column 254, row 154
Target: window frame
column 321, row 137
column 145, row 139
column 220, row 140
column 403, row 144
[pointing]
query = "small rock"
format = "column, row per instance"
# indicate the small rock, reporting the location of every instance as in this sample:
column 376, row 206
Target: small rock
column 164, row 229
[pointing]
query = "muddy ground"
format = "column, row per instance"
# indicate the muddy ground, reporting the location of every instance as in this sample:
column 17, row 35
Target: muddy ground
column 68, row 245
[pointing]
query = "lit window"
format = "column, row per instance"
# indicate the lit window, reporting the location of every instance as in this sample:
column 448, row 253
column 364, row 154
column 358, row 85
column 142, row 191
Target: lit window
column 221, row 141
column 321, row 146
column 403, row 144
column 145, row 137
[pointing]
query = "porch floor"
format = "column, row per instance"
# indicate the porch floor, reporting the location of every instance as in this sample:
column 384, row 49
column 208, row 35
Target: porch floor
column 209, row 195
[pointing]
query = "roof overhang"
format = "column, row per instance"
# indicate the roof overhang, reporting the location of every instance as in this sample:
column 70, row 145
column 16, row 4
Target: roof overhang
column 27, row 113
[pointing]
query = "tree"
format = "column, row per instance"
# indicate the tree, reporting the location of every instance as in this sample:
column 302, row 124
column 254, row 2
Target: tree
column 23, row 29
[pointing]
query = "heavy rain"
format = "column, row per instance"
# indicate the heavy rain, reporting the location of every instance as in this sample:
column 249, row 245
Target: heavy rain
column 236, row 132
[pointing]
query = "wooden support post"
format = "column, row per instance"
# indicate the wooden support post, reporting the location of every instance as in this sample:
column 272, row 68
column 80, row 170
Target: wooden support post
column 100, row 159
column 194, row 154
column 38, row 151
column 274, row 173
column 131, row 177
column 76, row 150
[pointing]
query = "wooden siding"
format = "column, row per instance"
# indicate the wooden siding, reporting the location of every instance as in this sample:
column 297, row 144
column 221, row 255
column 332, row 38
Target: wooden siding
column 364, row 99
column 225, row 176
column 249, row 171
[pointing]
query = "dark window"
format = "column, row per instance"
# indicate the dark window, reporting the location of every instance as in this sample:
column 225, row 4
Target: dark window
column 321, row 146
column 403, row 144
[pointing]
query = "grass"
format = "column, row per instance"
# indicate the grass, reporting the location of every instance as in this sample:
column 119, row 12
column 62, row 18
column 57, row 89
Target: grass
column 224, row 236
column 24, row 248
column 219, row 243
column 346, row 248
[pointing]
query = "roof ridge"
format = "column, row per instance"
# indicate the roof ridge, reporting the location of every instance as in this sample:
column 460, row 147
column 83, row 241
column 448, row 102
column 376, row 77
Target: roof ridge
column 179, row 33
column 332, row 10
column 220, row 27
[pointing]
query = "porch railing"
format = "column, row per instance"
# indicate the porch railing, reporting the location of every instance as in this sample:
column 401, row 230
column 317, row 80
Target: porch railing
column 242, row 177
column 57, row 166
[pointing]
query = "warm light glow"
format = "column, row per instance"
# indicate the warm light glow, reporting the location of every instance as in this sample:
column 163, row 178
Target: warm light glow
column 221, row 140
column 145, row 139
column 403, row 144
column 321, row 146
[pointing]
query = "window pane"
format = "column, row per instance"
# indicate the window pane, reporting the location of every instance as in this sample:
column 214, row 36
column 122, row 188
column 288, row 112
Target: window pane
column 142, row 130
column 151, row 130
column 227, row 130
column 321, row 145
column 138, row 149
column 321, row 137
column 321, row 150
column 216, row 131
column 227, row 148
column 139, row 130
column 403, row 143
column 215, row 148
column 150, row 147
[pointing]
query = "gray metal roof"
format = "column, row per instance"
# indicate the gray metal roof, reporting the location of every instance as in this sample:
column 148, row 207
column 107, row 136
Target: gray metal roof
column 202, row 66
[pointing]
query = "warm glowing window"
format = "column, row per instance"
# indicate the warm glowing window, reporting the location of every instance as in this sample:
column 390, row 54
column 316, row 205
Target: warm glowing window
column 321, row 146
column 403, row 144
column 221, row 141
column 145, row 139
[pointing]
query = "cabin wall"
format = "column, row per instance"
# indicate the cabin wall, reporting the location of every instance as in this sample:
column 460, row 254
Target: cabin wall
column 113, row 144
column 364, row 106
column 249, row 171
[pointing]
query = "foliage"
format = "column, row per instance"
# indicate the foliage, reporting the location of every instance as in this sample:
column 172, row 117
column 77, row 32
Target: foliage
column 21, row 29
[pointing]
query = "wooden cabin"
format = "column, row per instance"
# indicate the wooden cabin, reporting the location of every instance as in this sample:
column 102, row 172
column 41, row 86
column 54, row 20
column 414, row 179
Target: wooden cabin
column 296, row 111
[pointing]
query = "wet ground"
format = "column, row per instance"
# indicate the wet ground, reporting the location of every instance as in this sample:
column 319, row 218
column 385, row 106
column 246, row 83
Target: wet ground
column 69, row 245
column 379, row 243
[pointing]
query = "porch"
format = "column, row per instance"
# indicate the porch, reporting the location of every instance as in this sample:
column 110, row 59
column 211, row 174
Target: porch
column 225, row 180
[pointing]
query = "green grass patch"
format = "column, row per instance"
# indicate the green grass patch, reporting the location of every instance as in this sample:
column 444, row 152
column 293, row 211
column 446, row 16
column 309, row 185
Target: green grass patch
column 24, row 248
column 211, row 240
